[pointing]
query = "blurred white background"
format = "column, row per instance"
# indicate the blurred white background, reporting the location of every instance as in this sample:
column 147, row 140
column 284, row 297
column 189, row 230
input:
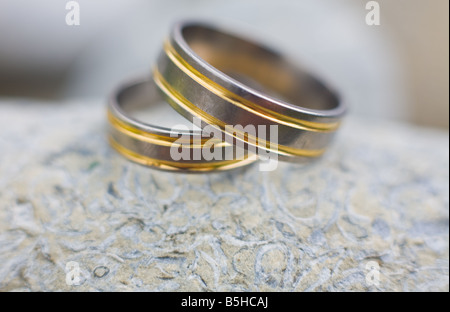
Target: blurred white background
column 398, row 70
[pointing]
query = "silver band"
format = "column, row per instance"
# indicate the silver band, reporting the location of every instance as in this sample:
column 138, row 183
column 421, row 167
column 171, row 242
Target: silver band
column 201, row 71
column 150, row 144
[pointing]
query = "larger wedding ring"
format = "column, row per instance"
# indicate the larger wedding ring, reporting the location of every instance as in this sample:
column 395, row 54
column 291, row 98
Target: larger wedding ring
column 223, row 79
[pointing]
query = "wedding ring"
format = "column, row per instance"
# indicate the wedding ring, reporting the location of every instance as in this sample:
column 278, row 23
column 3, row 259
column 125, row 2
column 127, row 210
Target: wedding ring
column 151, row 145
column 223, row 79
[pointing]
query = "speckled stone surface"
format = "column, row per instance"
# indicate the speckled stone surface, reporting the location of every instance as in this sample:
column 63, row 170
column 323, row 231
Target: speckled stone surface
column 66, row 199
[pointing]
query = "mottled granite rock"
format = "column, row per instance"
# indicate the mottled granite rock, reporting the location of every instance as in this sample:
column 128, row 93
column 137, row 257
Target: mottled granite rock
column 380, row 194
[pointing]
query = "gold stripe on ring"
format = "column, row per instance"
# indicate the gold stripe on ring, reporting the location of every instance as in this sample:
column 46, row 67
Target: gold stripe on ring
column 157, row 139
column 242, row 102
column 178, row 99
column 179, row 166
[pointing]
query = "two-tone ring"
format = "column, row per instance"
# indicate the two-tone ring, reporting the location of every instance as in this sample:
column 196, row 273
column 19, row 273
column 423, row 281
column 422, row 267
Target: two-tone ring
column 153, row 145
column 225, row 80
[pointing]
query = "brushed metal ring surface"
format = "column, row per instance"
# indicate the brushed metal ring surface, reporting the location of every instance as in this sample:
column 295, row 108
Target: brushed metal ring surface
column 150, row 145
column 223, row 79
